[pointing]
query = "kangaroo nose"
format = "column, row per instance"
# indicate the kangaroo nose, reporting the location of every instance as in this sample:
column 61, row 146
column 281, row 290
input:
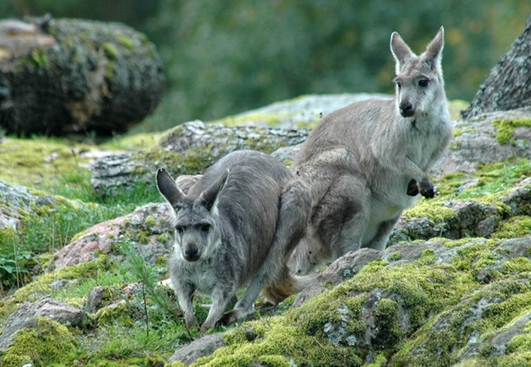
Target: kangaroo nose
column 191, row 253
column 406, row 110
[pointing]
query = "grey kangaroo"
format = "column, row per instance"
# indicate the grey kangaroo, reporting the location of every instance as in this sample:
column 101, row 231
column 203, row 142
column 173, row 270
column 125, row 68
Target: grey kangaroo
column 367, row 162
column 236, row 225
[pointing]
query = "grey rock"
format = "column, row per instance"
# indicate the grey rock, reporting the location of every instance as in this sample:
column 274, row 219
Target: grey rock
column 476, row 143
column 146, row 228
column 193, row 141
column 299, row 112
column 27, row 314
column 470, row 218
column 199, row 348
column 340, row 270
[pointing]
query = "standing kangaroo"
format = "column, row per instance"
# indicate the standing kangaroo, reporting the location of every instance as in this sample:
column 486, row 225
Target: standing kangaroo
column 365, row 163
column 236, row 225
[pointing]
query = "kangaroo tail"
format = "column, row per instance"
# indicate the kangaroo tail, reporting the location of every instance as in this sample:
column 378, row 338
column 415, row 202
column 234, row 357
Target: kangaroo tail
column 286, row 285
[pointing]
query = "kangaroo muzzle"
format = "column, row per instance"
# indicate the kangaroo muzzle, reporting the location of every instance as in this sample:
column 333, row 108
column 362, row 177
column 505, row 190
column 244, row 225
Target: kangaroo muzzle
column 406, row 109
column 191, row 253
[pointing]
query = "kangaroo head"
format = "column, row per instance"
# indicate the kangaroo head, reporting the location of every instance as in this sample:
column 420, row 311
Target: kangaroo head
column 196, row 218
column 419, row 80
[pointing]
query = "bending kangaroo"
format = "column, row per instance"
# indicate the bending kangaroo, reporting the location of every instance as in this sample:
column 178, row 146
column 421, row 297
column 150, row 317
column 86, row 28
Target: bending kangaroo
column 365, row 162
column 236, row 225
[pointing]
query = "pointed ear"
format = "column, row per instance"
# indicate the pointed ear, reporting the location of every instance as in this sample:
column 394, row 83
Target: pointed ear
column 209, row 197
column 168, row 188
column 433, row 54
column 400, row 50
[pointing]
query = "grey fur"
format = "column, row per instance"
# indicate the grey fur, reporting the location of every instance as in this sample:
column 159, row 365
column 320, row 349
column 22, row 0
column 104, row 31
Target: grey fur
column 364, row 161
column 237, row 225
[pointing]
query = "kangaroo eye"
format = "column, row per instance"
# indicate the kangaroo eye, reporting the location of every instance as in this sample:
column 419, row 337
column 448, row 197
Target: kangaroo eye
column 204, row 227
column 179, row 229
column 423, row 83
column 398, row 84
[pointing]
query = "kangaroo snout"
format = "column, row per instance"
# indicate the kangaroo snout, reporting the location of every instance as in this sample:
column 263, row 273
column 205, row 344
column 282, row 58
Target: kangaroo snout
column 191, row 253
column 406, row 109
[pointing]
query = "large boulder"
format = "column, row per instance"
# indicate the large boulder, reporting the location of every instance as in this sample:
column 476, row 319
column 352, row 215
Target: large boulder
column 188, row 149
column 147, row 228
column 59, row 76
column 27, row 316
column 508, row 85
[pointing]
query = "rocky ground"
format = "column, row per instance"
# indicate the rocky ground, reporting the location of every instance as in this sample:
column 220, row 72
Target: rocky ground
column 452, row 289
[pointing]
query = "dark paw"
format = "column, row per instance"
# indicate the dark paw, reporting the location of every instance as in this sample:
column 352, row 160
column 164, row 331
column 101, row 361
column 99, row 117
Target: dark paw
column 426, row 189
column 412, row 188
column 228, row 318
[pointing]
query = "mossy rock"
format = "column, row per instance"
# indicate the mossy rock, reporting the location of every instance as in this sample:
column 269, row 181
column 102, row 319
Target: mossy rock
column 87, row 76
column 433, row 309
column 47, row 343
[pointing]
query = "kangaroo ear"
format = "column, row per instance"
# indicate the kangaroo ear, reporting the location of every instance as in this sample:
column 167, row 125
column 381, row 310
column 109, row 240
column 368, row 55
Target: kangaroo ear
column 400, row 50
column 168, row 188
column 209, row 197
column 433, row 54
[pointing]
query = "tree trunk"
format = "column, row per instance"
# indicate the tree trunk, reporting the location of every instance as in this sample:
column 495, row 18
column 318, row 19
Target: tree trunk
column 66, row 75
column 508, row 85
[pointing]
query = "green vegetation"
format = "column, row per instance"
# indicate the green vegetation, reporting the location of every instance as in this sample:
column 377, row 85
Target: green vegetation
column 505, row 128
column 47, row 343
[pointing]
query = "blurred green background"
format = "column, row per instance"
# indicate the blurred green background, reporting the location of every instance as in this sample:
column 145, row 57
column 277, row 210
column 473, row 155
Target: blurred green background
column 222, row 57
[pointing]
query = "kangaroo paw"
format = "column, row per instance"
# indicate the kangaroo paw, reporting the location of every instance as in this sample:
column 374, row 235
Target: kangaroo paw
column 426, row 189
column 412, row 188
column 233, row 316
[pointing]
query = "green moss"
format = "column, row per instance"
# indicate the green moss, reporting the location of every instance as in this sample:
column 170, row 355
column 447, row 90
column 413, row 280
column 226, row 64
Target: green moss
column 28, row 162
column 47, row 343
column 395, row 256
column 475, row 257
column 388, row 331
column 278, row 341
column 459, row 132
column 117, row 313
column 427, row 257
column 519, row 226
column 329, row 328
column 125, row 41
column 150, row 221
column 194, row 161
column 110, row 50
column 505, row 128
column 39, row 56
column 518, row 265
column 41, row 286
column 504, row 131
column 163, row 238
column 496, row 178
column 482, row 314
column 379, row 361
column 271, row 120
column 450, row 183
column 460, row 242
column 430, row 209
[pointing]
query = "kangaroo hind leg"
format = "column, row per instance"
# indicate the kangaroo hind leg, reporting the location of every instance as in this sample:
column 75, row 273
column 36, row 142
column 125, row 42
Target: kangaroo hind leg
column 342, row 217
column 295, row 204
